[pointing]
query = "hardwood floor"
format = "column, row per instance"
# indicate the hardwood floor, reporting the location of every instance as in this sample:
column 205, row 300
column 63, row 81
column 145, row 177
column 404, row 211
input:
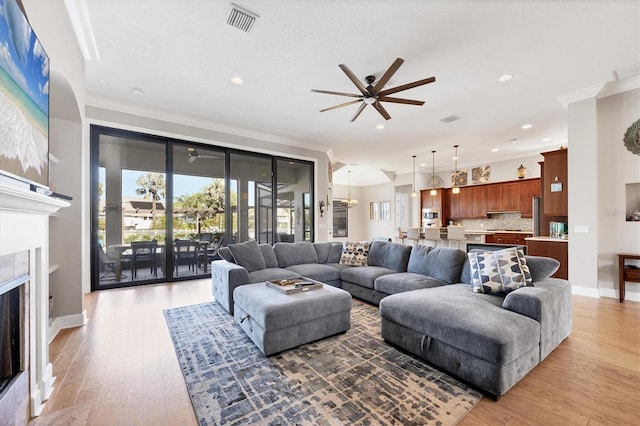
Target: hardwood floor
column 121, row 369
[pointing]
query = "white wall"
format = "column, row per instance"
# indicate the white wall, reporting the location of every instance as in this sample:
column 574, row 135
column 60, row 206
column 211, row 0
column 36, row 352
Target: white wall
column 68, row 232
column 582, row 186
column 617, row 167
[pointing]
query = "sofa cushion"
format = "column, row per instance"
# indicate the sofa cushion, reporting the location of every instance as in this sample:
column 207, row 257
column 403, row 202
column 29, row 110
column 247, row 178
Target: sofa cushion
column 454, row 315
column 541, row 267
column 334, row 253
column 443, row 263
column 248, row 255
column 364, row 276
column 389, row 255
column 270, row 259
column 289, row 254
column 355, row 253
column 225, row 253
column 405, row 281
column 499, row 271
column 323, row 250
column 316, row 271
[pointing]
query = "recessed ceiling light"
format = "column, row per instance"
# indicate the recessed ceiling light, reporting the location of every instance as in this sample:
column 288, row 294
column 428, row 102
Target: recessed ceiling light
column 526, row 126
column 423, row 164
column 546, row 139
column 380, row 126
column 505, row 77
column 237, row 80
column 137, row 91
column 514, row 140
column 495, row 150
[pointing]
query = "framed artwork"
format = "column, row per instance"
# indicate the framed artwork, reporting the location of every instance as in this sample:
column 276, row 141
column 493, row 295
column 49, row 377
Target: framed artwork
column 459, row 178
column 480, row 174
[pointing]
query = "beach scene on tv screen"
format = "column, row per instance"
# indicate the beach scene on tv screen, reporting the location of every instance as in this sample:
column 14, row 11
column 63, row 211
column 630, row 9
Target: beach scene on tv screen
column 24, row 98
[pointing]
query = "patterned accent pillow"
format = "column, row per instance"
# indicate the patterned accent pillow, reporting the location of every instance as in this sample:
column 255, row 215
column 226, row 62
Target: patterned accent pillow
column 355, row 253
column 499, row 271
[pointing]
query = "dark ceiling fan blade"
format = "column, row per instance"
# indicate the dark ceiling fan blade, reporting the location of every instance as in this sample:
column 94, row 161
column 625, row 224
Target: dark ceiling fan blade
column 354, row 79
column 383, row 112
column 400, row 101
column 330, row 92
column 407, row 86
column 388, row 74
column 341, row 105
column 358, row 112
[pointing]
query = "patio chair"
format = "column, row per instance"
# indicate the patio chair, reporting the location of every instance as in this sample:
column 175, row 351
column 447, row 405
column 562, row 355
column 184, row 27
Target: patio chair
column 185, row 252
column 107, row 265
column 144, row 253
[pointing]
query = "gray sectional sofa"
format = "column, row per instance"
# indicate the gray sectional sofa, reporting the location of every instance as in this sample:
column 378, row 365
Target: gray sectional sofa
column 426, row 303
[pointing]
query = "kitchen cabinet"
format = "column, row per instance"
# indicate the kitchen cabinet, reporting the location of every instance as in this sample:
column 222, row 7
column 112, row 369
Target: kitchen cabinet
column 555, row 188
column 494, row 198
column 507, row 238
column 511, row 196
column 554, row 248
column 477, row 201
column 528, row 189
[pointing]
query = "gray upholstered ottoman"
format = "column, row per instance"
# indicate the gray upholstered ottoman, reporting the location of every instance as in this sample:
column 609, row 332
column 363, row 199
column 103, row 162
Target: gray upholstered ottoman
column 276, row 321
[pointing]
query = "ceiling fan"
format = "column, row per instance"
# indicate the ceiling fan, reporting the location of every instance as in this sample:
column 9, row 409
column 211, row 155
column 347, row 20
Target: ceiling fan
column 194, row 154
column 373, row 94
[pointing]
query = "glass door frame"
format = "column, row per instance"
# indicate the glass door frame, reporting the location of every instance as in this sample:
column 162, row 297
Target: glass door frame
column 96, row 131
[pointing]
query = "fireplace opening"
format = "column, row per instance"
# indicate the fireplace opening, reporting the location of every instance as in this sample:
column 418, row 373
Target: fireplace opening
column 11, row 335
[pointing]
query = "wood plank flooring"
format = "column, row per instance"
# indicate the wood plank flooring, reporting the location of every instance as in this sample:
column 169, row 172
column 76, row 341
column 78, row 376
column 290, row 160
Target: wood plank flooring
column 121, row 369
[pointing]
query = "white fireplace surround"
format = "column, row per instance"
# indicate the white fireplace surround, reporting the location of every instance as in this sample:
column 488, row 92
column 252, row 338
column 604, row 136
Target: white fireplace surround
column 24, row 225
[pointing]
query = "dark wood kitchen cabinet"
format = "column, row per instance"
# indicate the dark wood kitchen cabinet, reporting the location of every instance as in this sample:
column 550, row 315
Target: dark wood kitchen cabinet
column 528, row 189
column 555, row 188
column 507, row 238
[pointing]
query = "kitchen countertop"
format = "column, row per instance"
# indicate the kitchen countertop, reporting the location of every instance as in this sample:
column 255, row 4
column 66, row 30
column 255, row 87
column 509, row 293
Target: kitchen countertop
column 547, row 238
column 494, row 231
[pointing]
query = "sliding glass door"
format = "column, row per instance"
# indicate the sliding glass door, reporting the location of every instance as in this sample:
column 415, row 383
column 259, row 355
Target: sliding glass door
column 129, row 244
column 161, row 208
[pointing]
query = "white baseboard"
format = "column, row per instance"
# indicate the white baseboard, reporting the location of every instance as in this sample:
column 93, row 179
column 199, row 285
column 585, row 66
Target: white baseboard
column 67, row 321
column 632, row 296
column 585, row 291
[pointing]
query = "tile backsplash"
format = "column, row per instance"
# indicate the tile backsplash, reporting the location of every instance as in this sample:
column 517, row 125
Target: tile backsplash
column 503, row 221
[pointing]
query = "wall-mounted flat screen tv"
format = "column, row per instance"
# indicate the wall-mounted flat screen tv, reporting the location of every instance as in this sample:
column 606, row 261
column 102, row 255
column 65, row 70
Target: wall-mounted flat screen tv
column 24, row 99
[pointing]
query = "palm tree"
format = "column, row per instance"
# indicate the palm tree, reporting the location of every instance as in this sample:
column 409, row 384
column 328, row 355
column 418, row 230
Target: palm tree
column 151, row 185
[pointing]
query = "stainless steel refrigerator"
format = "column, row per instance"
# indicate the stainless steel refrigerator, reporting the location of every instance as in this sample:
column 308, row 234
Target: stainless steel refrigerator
column 537, row 216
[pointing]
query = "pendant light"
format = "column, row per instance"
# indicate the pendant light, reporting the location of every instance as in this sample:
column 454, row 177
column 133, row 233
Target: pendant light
column 414, row 194
column 350, row 203
column 454, row 188
column 433, row 173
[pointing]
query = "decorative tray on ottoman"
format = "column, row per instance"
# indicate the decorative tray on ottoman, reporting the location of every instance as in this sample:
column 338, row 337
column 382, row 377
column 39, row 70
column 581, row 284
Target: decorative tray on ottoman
column 294, row 285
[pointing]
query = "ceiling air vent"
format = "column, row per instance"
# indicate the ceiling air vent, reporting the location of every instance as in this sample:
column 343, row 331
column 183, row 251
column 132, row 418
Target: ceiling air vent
column 450, row 118
column 241, row 18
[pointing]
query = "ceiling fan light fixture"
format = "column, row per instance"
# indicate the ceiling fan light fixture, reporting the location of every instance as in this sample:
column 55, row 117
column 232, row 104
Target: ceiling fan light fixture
column 369, row 100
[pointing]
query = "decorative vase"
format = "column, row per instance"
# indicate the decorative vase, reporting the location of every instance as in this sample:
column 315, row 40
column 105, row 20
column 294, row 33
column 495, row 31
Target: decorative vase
column 522, row 171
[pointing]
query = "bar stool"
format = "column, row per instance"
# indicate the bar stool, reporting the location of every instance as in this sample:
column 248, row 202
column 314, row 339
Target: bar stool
column 413, row 234
column 432, row 233
column 398, row 235
column 456, row 234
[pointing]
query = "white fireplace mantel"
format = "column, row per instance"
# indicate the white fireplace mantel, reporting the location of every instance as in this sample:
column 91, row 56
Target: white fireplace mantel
column 24, row 226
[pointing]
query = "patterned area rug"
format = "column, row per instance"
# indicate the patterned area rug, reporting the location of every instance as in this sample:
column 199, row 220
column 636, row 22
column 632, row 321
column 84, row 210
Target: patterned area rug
column 351, row 378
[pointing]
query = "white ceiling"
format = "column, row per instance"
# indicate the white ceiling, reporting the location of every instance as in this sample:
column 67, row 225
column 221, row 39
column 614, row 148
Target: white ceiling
column 182, row 54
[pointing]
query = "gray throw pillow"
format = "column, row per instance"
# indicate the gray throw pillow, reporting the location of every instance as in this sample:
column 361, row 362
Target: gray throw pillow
column 248, row 255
